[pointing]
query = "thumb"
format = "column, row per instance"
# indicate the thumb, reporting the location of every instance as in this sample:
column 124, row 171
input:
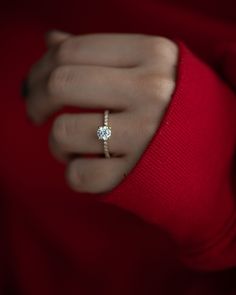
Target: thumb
column 55, row 37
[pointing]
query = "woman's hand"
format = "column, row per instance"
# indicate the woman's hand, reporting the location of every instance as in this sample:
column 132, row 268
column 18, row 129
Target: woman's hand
column 133, row 76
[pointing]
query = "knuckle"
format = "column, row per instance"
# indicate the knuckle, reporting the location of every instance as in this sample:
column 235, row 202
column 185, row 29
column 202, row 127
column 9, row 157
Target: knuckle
column 167, row 87
column 147, row 124
column 164, row 89
column 162, row 47
column 57, row 80
column 59, row 130
column 155, row 87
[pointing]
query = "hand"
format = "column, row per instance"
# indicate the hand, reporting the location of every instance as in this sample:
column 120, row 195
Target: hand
column 133, row 76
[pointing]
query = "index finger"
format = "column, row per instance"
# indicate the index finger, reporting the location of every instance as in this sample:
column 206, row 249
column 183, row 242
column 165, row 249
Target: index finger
column 115, row 50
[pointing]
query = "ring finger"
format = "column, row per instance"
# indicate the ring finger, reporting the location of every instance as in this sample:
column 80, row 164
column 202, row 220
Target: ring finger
column 74, row 134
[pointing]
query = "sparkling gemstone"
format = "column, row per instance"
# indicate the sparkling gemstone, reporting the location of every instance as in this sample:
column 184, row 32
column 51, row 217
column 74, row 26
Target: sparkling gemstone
column 104, row 132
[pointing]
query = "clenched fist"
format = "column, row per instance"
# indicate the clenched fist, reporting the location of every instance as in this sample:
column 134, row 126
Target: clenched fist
column 131, row 75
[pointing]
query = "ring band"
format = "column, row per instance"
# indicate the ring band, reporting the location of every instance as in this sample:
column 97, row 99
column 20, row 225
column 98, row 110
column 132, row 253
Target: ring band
column 104, row 133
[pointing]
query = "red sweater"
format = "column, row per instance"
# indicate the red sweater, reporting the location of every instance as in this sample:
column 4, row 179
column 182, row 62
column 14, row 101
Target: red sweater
column 170, row 226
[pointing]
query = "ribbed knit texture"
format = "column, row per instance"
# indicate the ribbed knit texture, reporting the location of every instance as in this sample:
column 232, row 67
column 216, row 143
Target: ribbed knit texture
column 182, row 181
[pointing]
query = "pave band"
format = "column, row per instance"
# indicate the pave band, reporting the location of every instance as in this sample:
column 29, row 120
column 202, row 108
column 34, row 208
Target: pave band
column 104, row 133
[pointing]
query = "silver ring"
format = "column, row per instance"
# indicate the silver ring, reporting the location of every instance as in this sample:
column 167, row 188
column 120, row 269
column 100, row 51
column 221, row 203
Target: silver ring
column 104, row 133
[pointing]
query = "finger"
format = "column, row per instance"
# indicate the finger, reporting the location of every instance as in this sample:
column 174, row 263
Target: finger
column 56, row 37
column 115, row 50
column 77, row 134
column 82, row 86
column 96, row 175
column 53, row 39
column 41, row 69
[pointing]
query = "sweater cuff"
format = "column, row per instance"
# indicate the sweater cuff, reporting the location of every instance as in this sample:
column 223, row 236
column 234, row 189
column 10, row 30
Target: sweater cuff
column 181, row 182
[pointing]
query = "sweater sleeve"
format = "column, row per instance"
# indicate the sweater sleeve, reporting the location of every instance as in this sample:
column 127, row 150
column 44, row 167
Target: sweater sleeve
column 183, row 182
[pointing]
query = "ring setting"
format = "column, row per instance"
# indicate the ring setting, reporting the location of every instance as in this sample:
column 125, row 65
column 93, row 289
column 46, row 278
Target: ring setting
column 104, row 133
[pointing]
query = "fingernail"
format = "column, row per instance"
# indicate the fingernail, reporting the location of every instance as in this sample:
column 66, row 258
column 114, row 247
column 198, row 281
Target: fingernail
column 24, row 89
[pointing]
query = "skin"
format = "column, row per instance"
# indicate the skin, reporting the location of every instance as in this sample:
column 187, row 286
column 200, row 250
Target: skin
column 132, row 75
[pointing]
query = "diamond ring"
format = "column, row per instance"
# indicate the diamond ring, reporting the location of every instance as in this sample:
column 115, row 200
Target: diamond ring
column 104, row 133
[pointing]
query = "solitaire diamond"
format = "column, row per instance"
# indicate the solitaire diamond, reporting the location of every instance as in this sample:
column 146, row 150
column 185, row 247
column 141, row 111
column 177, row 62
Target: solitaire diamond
column 104, row 132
